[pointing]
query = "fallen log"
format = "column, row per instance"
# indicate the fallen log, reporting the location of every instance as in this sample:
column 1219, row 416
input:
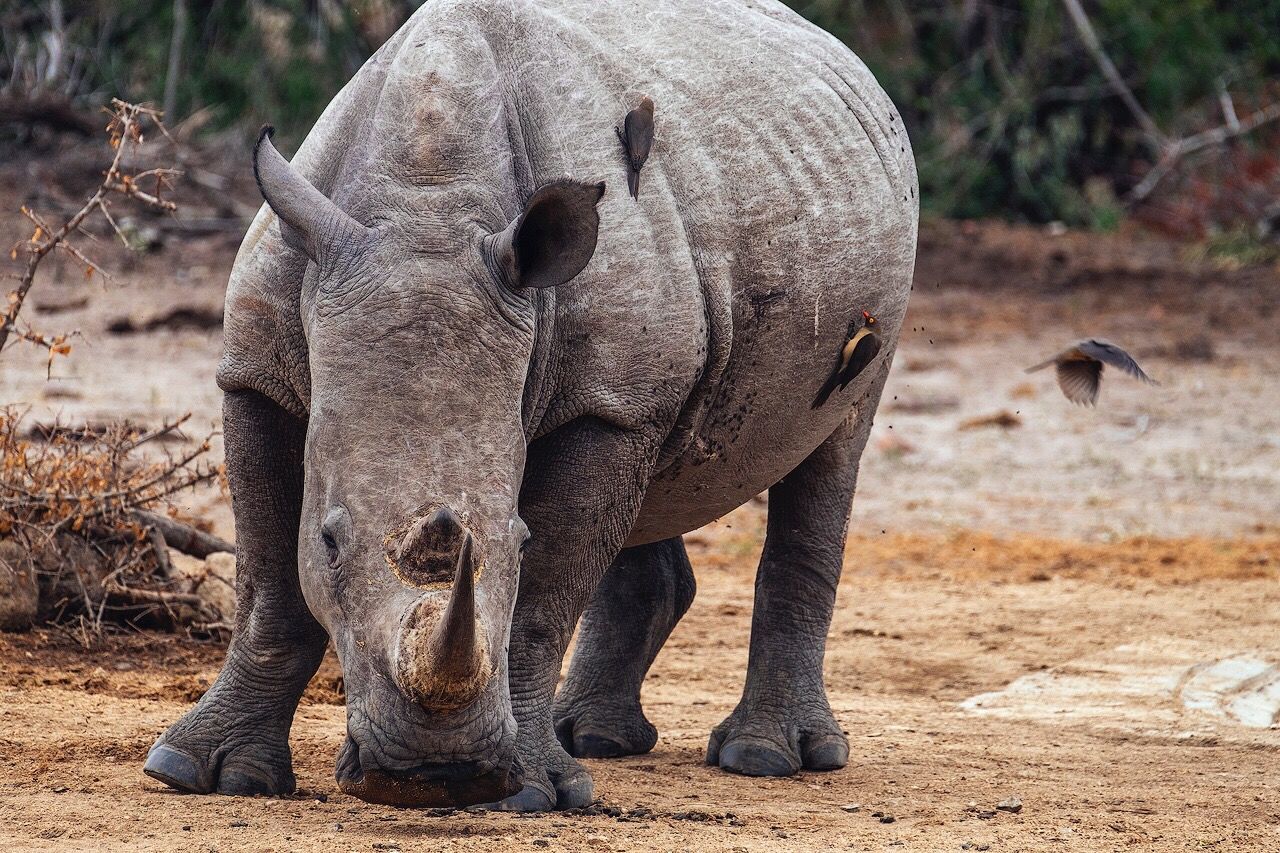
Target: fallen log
column 184, row 537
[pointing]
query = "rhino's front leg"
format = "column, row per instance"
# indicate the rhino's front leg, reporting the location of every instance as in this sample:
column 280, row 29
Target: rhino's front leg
column 236, row 739
column 583, row 488
column 783, row 721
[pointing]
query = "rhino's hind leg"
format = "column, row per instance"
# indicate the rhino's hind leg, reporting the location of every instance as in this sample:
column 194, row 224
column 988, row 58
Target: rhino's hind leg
column 631, row 614
column 783, row 722
column 236, row 739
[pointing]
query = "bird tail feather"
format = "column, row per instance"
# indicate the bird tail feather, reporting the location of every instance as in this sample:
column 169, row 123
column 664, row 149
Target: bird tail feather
column 1041, row 366
column 827, row 387
column 633, row 183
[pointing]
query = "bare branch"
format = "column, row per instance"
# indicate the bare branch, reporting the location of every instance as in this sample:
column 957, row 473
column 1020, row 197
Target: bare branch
column 124, row 129
column 1189, row 145
column 1228, row 107
column 1108, row 68
column 184, row 537
column 63, row 490
column 1169, row 151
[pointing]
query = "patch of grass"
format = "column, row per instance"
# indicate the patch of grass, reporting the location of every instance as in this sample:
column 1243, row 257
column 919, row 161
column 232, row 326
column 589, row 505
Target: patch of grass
column 1235, row 249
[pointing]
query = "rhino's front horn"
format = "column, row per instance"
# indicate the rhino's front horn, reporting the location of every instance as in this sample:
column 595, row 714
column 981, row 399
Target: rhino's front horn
column 309, row 221
column 455, row 641
column 443, row 663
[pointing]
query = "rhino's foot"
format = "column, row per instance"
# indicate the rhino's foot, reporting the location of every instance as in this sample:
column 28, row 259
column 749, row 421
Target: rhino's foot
column 765, row 742
column 209, row 752
column 565, row 785
column 601, row 729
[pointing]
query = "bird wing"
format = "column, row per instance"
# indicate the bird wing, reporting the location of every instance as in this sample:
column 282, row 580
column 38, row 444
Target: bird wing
column 1109, row 353
column 858, row 353
column 1068, row 353
column 1079, row 380
column 825, row 391
column 638, row 132
column 855, row 355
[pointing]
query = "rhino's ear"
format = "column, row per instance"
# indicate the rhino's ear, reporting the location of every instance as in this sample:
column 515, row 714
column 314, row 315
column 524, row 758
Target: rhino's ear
column 309, row 222
column 553, row 239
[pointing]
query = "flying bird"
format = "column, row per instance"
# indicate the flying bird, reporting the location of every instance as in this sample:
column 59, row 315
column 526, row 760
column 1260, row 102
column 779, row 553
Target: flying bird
column 636, row 135
column 1080, row 366
column 862, row 346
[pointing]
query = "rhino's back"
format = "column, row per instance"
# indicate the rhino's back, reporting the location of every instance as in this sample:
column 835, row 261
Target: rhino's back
column 779, row 203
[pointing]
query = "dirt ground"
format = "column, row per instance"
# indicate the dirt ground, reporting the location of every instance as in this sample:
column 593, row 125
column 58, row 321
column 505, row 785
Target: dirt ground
column 1074, row 608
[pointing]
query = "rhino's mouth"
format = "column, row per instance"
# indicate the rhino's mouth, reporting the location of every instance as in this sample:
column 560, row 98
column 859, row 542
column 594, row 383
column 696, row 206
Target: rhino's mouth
column 453, row 785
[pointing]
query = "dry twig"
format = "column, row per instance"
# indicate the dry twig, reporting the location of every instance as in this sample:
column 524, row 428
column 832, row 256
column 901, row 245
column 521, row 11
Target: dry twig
column 80, row 504
column 1168, row 151
column 124, row 130
column 184, row 537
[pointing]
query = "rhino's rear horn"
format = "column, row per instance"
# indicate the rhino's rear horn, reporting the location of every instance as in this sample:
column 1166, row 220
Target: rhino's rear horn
column 428, row 552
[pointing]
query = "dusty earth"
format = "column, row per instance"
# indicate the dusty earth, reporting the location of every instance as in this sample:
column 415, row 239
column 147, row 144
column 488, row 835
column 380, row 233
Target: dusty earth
column 1074, row 608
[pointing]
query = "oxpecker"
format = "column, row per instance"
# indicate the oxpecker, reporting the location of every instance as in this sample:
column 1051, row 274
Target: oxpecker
column 636, row 135
column 1080, row 369
column 862, row 346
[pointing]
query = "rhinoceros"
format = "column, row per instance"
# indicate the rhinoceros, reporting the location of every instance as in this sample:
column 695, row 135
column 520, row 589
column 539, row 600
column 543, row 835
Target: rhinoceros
column 475, row 392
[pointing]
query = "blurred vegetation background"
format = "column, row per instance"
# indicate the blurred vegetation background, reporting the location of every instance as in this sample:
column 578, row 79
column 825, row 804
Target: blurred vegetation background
column 1009, row 113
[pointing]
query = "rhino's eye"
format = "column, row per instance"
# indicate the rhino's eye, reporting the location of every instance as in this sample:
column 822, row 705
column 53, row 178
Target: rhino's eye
column 333, row 532
column 330, row 545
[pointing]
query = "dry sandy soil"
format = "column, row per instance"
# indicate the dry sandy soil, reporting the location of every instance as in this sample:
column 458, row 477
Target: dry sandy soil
column 1077, row 608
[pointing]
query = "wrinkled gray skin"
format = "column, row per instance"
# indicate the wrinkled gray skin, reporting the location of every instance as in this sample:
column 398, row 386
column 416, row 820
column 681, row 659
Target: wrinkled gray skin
column 421, row 350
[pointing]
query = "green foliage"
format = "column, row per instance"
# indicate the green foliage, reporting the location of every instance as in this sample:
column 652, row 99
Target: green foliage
column 277, row 61
column 1235, row 248
column 1007, row 111
column 1009, row 114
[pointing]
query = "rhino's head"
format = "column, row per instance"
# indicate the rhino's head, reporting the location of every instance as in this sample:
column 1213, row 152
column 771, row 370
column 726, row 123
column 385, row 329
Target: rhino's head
column 419, row 339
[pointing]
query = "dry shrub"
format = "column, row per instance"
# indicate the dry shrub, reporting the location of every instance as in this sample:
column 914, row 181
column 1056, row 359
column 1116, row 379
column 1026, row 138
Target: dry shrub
column 72, row 518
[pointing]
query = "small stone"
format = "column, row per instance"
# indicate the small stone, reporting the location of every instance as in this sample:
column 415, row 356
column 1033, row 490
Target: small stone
column 887, row 818
column 186, row 827
column 1013, row 805
column 541, row 842
column 598, row 841
column 851, row 807
column 237, row 823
